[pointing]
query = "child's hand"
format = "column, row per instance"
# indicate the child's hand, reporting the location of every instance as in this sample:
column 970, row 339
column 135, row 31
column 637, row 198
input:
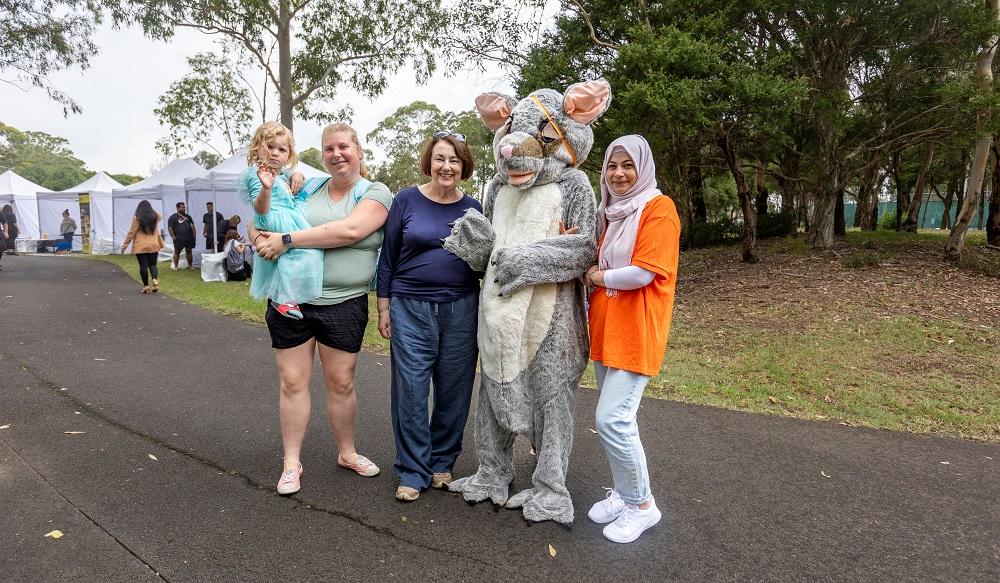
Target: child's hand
column 265, row 174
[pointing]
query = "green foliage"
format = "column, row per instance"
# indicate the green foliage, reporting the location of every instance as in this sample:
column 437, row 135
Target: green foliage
column 308, row 49
column 887, row 222
column 312, row 157
column 207, row 159
column 773, row 225
column 126, row 179
column 209, row 101
column 40, row 37
column 403, row 134
column 43, row 159
column 723, row 231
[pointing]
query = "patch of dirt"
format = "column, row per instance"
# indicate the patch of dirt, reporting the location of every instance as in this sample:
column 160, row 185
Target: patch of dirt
column 803, row 291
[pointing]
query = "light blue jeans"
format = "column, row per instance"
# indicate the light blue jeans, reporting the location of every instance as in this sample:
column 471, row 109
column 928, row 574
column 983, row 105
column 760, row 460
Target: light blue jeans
column 620, row 393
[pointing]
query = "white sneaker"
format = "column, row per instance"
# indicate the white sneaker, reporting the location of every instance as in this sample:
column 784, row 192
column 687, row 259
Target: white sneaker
column 631, row 523
column 172, row 268
column 608, row 509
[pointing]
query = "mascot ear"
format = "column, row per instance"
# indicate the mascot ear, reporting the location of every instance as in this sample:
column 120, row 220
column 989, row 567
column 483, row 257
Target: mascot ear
column 585, row 102
column 494, row 109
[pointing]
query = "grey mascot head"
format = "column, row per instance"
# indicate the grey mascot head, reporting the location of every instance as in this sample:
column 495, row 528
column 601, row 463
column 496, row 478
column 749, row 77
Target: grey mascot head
column 545, row 133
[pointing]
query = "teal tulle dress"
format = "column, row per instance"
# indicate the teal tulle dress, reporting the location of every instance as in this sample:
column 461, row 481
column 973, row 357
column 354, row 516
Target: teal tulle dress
column 297, row 275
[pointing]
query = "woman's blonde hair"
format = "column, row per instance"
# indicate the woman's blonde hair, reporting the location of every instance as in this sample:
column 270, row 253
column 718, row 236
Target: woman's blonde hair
column 268, row 131
column 339, row 127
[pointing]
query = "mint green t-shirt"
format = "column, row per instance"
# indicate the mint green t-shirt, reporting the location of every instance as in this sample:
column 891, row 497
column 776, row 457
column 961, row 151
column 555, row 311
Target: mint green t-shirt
column 347, row 271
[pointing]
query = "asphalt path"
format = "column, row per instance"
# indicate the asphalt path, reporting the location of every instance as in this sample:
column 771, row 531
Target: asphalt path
column 171, row 476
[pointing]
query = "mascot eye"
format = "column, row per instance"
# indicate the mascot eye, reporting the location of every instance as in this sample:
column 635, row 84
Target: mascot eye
column 548, row 132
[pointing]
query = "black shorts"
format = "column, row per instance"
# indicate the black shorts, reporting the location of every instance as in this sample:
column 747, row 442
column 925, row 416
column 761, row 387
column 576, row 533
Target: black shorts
column 340, row 326
column 183, row 246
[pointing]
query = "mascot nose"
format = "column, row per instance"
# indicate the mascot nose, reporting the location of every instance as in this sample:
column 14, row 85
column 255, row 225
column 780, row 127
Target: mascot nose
column 507, row 151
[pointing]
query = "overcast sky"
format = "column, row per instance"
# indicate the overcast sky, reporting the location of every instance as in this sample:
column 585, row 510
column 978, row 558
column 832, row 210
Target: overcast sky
column 117, row 130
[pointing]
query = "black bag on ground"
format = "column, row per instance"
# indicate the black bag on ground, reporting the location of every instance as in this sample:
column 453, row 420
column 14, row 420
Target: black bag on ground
column 236, row 265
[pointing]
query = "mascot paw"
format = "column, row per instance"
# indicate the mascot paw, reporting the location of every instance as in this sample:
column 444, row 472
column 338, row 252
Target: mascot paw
column 511, row 271
column 471, row 239
column 520, row 499
column 474, row 490
column 541, row 507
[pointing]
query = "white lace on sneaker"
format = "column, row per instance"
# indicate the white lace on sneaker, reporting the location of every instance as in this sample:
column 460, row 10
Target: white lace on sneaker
column 608, row 509
column 631, row 523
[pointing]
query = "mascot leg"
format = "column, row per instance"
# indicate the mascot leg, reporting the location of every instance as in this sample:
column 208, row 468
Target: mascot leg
column 549, row 499
column 495, row 448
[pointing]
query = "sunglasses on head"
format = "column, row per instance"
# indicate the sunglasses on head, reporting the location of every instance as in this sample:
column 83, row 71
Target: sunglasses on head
column 440, row 134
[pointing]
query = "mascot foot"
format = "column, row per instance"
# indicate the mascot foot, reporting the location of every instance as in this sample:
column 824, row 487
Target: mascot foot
column 538, row 506
column 474, row 489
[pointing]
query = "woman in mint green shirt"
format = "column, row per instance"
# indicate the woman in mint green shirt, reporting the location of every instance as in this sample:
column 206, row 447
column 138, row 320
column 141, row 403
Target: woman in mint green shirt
column 347, row 213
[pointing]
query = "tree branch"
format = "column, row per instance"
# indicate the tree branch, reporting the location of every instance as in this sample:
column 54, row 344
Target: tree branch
column 593, row 34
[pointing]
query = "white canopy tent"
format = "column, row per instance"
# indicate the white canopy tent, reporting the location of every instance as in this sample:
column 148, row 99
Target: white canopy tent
column 23, row 195
column 163, row 190
column 218, row 186
column 97, row 224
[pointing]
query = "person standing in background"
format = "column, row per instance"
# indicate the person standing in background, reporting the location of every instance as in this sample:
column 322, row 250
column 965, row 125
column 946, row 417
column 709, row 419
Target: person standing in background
column 68, row 229
column 211, row 221
column 181, row 227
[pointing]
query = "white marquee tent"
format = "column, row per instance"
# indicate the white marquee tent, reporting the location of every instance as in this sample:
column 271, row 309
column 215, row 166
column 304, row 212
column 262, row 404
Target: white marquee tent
column 163, row 190
column 23, row 195
column 98, row 187
column 218, row 186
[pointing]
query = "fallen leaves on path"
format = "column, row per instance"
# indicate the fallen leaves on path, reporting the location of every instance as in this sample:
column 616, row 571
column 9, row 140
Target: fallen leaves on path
column 55, row 534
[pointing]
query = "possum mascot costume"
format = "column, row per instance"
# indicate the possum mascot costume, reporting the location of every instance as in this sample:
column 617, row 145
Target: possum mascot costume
column 533, row 340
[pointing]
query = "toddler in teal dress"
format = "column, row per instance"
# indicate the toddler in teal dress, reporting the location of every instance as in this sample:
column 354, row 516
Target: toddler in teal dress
column 296, row 277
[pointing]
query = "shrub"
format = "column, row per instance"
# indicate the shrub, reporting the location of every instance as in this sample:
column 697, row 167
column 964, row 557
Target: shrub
column 724, row 231
column 887, row 222
column 775, row 225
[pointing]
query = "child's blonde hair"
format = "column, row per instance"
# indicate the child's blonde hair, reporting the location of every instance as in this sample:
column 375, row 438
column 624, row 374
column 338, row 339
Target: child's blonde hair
column 268, row 131
column 339, row 127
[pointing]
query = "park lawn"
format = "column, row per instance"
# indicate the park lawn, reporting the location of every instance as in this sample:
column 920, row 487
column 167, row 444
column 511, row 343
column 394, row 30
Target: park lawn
column 878, row 332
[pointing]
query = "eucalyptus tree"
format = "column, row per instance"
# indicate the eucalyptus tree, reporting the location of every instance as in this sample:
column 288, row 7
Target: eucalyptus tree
column 39, row 37
column 309, row 48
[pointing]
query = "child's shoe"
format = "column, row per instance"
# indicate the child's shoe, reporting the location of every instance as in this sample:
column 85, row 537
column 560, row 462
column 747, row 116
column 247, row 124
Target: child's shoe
column 288, row 310
column 632, row 522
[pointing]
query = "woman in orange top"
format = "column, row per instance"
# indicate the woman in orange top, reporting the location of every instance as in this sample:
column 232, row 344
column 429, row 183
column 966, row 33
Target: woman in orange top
column 630, row 311
column 146, row 240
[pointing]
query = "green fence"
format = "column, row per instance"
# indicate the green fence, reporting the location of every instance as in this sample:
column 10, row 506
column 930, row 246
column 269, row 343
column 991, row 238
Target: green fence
column 931, row 213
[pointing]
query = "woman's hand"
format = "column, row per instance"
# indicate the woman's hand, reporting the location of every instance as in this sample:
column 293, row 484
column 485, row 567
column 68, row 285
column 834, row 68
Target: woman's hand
column 588, row 277
column 266, row 175
column 564, row 231
column 384, row 322
column 296, row 182
column 124, row 247
column 269, row 245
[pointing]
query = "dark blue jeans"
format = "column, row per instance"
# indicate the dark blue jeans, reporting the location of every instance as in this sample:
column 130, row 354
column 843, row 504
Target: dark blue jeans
column 431, row 341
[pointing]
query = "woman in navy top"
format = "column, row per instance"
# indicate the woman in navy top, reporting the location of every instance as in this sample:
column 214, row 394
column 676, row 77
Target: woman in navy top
column 428, row 303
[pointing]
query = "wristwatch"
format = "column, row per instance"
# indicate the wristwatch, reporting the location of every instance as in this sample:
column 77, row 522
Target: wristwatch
column 286, row 239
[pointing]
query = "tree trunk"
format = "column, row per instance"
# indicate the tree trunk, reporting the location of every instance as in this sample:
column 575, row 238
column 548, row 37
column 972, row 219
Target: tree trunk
column 866, row 217
column 913, row 213
column 696, row 186
column 827, row 185
column 760, row 201
column 902, row 194
column 746, row 204
column 947, row 200
column 839, row 220
column 788, row 181
column 285, row 92
column 993, row 220
column 984, row 72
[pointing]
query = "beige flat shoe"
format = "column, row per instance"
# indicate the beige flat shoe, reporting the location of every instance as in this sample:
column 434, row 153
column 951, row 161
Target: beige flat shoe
column 145, row 289
column 407, row 494
column 440, row 480
column 155, row 287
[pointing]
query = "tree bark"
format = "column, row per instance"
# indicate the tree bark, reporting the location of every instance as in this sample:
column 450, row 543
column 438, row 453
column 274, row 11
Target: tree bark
column 984, row 72
column 866, row 217
column 902, row 193
column 696, row 186
column 839, row 220
column 913, row 213
column 760, row 201
column 285, row 91
column 993, row 219
column 827, row 185
column 743, row 192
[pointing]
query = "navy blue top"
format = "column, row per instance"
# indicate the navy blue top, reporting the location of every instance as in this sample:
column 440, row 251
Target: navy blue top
column 413, row 264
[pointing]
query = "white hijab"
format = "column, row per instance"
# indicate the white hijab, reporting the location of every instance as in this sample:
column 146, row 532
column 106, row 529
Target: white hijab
column 618, row 214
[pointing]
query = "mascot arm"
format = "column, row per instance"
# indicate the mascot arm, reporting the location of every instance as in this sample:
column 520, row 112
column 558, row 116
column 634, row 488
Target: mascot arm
column 556, row 259
column 472, row 235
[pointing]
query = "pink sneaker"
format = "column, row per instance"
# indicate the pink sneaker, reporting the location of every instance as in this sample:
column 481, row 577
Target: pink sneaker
column 290, row 481
column 362, row 465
